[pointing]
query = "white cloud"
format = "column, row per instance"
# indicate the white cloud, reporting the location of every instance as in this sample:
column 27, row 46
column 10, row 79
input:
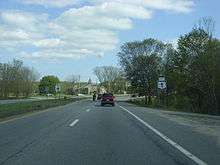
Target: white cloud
column 50, row 3
column 32, row 24
column 21, row 18
column 182, row 6
column 90, row 18
column 8, row 35
column 172, row 5
column 49, row 43
column 77, row 32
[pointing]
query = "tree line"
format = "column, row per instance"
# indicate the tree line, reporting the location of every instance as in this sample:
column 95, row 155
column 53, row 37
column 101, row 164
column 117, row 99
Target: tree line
column 192, row 69
column 16, row 80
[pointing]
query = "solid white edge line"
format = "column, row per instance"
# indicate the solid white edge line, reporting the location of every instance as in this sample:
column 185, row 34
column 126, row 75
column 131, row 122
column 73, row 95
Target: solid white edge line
column 168, row 140
column 74, row 123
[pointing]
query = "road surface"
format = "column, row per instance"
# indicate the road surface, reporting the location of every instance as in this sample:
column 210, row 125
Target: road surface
column 84, row 133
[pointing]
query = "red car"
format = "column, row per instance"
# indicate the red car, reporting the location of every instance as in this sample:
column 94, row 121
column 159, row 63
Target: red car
column 108, row 98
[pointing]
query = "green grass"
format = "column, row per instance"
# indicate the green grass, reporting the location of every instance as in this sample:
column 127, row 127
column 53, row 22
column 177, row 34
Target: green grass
column 9, row 110
column 154, row 105
column 13, row 98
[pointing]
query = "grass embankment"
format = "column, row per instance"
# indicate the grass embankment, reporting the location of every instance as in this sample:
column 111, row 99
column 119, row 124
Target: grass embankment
column 141, row 102
column 168, row 107
column 10, row 110
column 13, row 98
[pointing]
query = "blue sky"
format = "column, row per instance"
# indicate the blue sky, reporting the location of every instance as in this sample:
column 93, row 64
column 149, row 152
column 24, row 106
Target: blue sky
column 64, row 37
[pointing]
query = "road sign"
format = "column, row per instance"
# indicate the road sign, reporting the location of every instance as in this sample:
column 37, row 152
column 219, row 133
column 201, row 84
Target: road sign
column 162, row 84
column 57, row 88
column 161, row 78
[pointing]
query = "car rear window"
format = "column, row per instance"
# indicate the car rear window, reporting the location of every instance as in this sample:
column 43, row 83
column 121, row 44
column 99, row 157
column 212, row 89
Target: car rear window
column 107, row 95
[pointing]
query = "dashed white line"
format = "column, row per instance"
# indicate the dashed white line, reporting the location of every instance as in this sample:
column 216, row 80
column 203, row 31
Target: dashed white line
column 88, row 110
column 74, row 123
column 168, row 140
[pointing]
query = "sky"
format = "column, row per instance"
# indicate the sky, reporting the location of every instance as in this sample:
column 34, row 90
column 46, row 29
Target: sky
column 71, row 37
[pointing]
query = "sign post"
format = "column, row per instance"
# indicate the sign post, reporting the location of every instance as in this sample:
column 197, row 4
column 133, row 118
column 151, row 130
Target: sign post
column 162, row 86
column 58, row 89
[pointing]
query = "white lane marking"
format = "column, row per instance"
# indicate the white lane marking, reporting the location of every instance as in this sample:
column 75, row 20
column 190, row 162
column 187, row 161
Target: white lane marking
column 168, row 140
column 74, row 123
column 87, row 110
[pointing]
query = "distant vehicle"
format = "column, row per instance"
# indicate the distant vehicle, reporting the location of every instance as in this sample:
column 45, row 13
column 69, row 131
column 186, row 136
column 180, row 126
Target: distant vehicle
column 108, row 98
column 134, row 95
column 137, row 95
column 99, row 97
column 80, row 94
column 49, row 94
column 141, row 94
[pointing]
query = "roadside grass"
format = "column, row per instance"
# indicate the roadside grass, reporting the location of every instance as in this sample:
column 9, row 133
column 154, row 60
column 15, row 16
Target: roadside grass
column 156, row 105
column 170, row 107
column 10, row 110
column 13, row 98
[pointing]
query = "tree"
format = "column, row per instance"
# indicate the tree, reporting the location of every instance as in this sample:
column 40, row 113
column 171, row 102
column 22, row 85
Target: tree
column 142, row 64
column 193, row 70
column 5, row 80
column 29, row 77
column 16, row 79
column 107, row 75
column 119, row 85
column 47, row 84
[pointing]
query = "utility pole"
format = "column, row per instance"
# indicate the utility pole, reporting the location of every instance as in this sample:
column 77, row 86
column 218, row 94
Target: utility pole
column 79, row 84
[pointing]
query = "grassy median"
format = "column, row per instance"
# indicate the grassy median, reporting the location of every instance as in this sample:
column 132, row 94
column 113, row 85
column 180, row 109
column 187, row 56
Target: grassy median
column 10, row 110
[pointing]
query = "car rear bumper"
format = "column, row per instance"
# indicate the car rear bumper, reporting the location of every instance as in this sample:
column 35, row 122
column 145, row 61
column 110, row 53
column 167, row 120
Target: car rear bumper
column 107, row 102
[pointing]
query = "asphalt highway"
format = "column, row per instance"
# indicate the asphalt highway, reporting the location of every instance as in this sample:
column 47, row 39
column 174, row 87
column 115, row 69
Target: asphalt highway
column 84, row 133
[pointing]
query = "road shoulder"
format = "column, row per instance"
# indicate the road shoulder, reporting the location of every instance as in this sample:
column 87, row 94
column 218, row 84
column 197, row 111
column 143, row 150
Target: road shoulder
column 198, row 134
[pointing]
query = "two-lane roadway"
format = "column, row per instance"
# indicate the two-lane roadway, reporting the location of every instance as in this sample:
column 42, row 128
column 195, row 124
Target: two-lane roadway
column 86, row 133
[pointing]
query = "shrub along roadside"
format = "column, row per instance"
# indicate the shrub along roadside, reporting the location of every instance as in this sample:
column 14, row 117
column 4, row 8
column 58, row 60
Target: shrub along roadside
column 10, row 110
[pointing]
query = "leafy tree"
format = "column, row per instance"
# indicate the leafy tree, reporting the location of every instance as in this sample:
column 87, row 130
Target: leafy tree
column 143, row 62
column 47, row 84
column 193, row 70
